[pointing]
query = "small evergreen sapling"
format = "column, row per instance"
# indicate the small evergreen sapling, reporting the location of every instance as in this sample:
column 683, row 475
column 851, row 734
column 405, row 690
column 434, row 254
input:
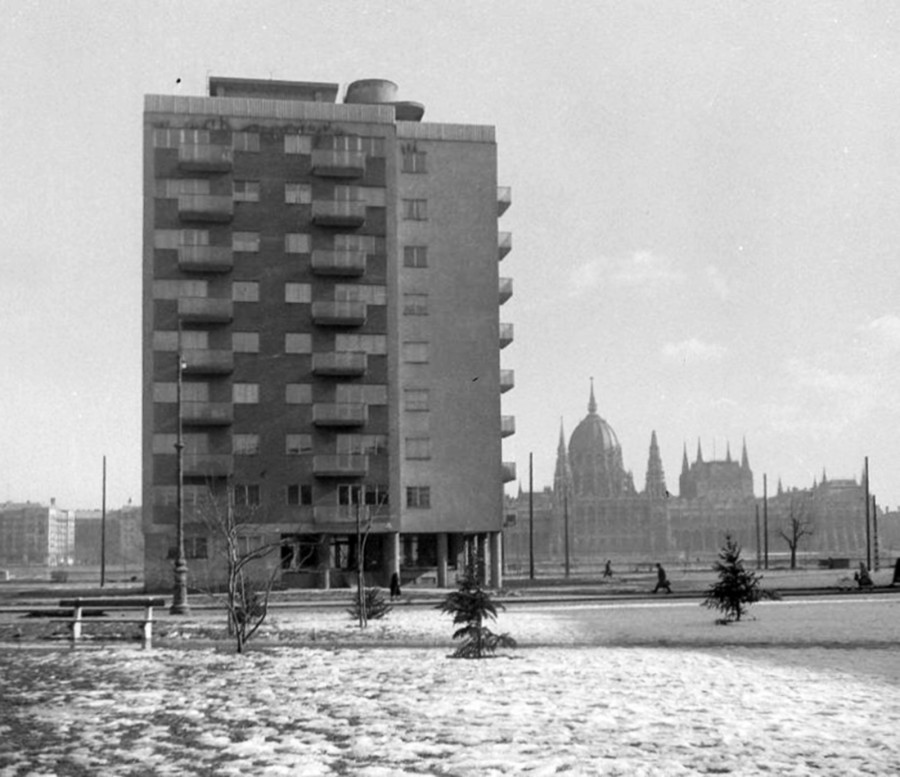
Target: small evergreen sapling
column 471, row 606
column 376, row 606
column 737, row 588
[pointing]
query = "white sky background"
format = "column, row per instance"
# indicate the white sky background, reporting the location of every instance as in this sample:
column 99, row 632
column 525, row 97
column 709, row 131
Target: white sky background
column 706, row 215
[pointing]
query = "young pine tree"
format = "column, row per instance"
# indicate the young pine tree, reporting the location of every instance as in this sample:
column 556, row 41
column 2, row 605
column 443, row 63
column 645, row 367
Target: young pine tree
column 737, row 588
column 471, row 607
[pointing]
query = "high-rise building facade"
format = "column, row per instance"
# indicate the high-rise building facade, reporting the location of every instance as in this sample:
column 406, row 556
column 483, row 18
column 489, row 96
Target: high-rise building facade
column 321, row 320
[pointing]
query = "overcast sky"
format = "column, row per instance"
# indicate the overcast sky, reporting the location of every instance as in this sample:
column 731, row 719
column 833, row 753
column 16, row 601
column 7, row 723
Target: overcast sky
column 706, row 215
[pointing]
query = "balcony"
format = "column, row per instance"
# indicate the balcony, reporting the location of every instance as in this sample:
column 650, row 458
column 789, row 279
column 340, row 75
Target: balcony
column 207, row 413
column 338, row 164
column 504, row 199
column 504, row 244
column 332, row 313
column 339, row 213
column 207, row 362
column 340, row 363
column 205, row 258
column 205, row 207
column 340, row 465
column 338, row 262
column 507, row 380
column 341, row 518
column 207, row 465
column 205, row 158
column 205, row 310
column 506, row 289
column 340, row 414
column 506, row 335
column 508, row 469
column 507, row 425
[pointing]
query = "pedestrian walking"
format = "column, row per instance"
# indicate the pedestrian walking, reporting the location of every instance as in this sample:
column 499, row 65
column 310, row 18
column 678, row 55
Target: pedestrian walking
column 607, row 570
column 661, row 580
column 395, row 586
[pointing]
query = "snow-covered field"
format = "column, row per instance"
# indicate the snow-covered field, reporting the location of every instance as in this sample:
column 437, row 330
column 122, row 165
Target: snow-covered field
column 801, row 689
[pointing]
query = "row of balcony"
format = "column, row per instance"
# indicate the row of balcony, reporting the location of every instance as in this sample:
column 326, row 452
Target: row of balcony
column 324, row 466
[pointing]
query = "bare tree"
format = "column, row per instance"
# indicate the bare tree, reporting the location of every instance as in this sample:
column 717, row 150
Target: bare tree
column 798, row 526
column 233, row 528
column 365, row 518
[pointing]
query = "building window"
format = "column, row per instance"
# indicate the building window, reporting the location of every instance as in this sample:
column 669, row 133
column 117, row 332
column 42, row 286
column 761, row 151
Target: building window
column 360, row 292
column 418, row 497
column 418, row 448
column 195, row 391
column 245, row 393
column 195, row 547
column 245, row 141
column 245, row 342
column 415, row 256
column 245, row 444
column 296, row 244
column 246, row 191
column 175, row 289
column 415, row 352
column 299, row 495
column 415, row 399
column 298, row 342
column 371, row 244
column 361, row 393
column 246, row 494
column 413, row 162
column 297, row 444
column 297, row 292
column 371, row 344
column 248, row 242
column 245, row 291
column 361, row 444
column 297, row 193
column 415, row 304
column 297, row 144
column 173, row 138
column 415, row 210
column 298, row 393
column 194, row 339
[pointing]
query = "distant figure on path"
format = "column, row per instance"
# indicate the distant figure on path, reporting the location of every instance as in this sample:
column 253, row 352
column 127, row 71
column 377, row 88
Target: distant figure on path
column 896, row 580
column 661, row 580
column 607, row 570
column 862, row 578
column 395, row 586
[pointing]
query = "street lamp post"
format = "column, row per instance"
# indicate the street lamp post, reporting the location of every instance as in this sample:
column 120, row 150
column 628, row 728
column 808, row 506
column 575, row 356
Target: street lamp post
column 179, row 593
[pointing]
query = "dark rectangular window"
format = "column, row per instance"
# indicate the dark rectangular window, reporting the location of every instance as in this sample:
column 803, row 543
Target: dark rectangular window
column 415, row 256
column 413, row 162
column 246, row 495
column 418, row 496
column 299, row 495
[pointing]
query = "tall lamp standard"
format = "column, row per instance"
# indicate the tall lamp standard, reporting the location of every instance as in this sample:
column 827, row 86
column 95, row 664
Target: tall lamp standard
column 179, row 593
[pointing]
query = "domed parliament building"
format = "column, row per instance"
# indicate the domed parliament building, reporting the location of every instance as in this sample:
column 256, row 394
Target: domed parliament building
column 595, row 498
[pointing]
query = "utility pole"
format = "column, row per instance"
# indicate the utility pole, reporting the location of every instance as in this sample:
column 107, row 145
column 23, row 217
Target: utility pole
column 758, row 540
column 531, row 516
column 179, row 594
column 103, row 531
column 868, row 535
column 875, row 533
column 765, row 522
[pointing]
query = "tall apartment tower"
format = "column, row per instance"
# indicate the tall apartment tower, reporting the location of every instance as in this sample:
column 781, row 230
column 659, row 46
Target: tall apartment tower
column 321, row 333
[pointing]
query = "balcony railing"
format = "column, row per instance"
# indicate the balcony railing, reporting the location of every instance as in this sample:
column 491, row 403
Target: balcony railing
column 509, row 471
column 205, row 207
column 215, row 465
column 205, row 310
column 332, row 313
column 204, row 157
column 205, row 258
column 202, row 361
column 340, row 413
column 506, row 335
column 207, row 413
column 339, row 213
column 504, row 199
column 507, row 425
column 507, row 380
column 338, row 262
column 340, row 363
column 340, row 465
column 504, row 244
column 338, row 164
column 506, row 289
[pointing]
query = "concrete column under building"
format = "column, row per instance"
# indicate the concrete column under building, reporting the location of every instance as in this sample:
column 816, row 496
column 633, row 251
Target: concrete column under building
column 442, row 551
column 391, row 554
column 496, row 547
column 326, row 560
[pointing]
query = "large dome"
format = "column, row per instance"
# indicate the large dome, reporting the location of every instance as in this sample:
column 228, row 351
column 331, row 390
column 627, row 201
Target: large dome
column 593, row 434
column 595, row 457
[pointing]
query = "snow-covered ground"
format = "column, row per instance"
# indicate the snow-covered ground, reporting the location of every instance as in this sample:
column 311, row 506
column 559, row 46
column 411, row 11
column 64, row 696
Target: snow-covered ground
column 804, row 688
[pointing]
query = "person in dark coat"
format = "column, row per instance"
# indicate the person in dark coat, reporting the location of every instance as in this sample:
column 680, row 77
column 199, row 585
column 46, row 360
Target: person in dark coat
column 661, row 580
column 607, row 570
column 896, row 580
column 863, row 578
column 395, row 586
